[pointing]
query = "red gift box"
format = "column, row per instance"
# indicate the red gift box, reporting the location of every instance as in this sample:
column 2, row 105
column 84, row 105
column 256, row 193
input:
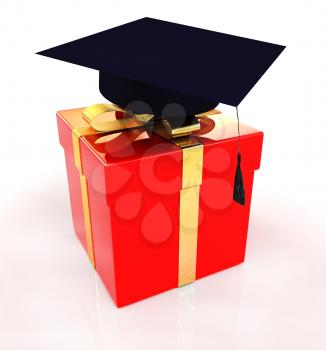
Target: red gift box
column 126, row 203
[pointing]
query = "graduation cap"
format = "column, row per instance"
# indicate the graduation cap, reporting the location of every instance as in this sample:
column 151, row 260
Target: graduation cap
column 174, row 71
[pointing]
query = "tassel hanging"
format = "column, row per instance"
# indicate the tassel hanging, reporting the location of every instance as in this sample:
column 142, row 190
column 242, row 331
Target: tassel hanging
column 238, row 188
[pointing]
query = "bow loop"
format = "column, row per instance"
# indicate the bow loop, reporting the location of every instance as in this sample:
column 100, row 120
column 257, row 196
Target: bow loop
column 103, row 118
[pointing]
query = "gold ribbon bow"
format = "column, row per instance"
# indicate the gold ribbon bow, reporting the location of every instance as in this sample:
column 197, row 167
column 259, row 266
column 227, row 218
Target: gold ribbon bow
column 102, row 118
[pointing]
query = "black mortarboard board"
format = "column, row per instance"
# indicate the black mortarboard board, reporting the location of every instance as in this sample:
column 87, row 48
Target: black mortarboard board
column 172, row 70
column 167, row 65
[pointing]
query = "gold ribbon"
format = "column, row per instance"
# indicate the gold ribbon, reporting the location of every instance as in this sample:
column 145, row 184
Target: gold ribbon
column 102, row 119
column 192, row 169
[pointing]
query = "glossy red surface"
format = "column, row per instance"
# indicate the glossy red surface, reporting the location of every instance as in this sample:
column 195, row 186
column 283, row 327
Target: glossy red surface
column 134, row 183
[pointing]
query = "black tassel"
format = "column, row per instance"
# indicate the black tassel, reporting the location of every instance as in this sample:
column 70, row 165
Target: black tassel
column 238, row 188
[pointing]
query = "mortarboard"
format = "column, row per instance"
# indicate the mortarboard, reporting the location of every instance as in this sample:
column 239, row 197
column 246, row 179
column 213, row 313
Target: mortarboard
column 174, row 71
column 160, row 63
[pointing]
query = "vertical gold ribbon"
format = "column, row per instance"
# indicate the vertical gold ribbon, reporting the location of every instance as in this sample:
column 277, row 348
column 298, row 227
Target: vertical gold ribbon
column 192, row 170
column 192, row 167
column 77, row 133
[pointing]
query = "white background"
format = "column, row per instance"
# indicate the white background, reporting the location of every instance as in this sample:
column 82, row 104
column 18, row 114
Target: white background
column 50, row 298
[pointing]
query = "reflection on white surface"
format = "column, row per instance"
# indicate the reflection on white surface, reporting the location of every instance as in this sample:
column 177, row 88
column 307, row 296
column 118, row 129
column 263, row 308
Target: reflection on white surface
column 52, row 298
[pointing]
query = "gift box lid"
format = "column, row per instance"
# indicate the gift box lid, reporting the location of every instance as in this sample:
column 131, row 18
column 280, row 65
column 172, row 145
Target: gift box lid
column 127, row 147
